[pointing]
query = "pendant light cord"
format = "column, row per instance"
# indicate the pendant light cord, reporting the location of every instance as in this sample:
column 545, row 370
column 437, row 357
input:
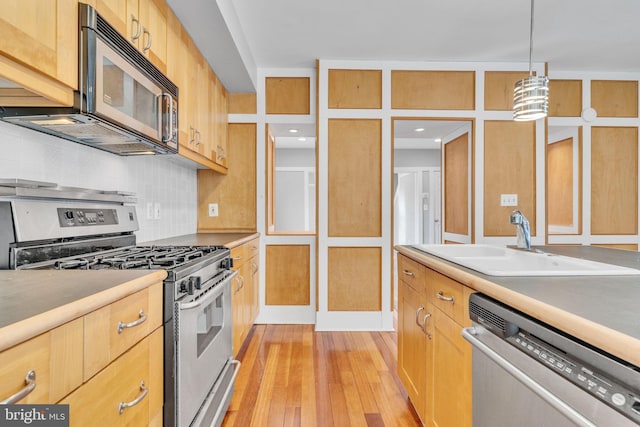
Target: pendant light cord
column 531, row 42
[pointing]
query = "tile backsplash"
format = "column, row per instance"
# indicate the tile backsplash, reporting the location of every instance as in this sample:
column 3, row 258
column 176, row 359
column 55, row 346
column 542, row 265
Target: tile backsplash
column 160, row 180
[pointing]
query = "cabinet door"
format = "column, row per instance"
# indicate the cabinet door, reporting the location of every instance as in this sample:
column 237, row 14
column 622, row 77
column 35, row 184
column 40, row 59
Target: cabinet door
column 414, row 348
column 255, row 291
column 42, row 36
column 178, row 71
column 153, row 41
column 451, row 374
column 220, row 122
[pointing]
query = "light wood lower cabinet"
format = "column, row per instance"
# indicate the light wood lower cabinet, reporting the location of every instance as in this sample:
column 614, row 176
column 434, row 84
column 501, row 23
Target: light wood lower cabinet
column 414, row 348
column 87, row 364
column 434, row 361
column 245, row 290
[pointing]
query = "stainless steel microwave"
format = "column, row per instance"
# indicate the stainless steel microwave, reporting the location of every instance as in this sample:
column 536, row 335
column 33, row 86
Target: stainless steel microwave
column 124, row 104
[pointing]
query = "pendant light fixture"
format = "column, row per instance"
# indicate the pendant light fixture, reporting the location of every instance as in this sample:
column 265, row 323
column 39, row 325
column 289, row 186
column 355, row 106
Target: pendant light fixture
column 531, row 94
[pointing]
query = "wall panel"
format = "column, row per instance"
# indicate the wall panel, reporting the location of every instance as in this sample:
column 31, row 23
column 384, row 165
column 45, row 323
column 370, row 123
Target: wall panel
column 287, row 95
column 355, row 183
column 498, row 89
column 355, row 89
column 614, row 180
column 241, row 103
column 560, row 182
column 456, row 185
column 614, row 98
column 565, row 98
column 510, row 168
column 287, row 275
column 433, row 90
column 235, row 193
column 354, row 279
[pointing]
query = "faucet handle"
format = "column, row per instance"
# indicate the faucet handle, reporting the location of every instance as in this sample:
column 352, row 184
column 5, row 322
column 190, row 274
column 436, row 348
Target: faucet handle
column 516, row 217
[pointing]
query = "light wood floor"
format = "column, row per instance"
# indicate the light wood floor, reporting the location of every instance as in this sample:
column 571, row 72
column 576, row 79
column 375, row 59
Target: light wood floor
column 293, row 376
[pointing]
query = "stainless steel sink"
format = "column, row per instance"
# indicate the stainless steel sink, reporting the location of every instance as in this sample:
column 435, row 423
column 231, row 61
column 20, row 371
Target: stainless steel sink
column 503, row 261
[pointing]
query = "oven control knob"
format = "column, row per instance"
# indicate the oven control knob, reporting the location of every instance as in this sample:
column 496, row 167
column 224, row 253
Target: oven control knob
column 226, row 263
column 194, row 282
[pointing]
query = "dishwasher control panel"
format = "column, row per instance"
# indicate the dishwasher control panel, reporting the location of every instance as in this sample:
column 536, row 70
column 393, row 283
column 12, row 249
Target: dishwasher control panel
column 597, row 384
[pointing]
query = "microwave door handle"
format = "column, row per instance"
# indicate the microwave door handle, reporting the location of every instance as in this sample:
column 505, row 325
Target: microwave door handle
column 169, row 114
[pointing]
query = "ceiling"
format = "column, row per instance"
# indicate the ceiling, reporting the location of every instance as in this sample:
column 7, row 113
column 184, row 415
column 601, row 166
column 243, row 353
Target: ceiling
column 240, row 36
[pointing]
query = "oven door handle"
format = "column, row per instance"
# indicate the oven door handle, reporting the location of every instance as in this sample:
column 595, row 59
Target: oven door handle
column 209, row 296
column 470, row 333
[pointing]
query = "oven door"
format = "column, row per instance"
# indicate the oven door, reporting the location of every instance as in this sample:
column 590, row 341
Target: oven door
column 203, row 347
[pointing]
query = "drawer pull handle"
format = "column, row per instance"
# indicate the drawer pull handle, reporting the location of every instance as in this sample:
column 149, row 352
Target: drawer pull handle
column 133, row 324
column 440, row 295
column 29, row 386
column 424, row 324
column 421, row 308
column 408, row 273
column 143, row 393
column 238, row 258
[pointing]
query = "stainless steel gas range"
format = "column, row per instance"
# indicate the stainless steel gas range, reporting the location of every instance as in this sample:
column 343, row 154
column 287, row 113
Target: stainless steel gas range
column 44, row 226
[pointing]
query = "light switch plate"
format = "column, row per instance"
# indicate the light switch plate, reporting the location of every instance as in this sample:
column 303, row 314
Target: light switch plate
column 156, row 210
column 149, row 210
column 508, row 200
column 213, row 209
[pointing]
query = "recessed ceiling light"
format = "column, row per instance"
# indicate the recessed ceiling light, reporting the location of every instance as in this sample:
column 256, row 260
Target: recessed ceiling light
column 419, row 129
column 302, row 139
column 438, row 140
column 293, row 130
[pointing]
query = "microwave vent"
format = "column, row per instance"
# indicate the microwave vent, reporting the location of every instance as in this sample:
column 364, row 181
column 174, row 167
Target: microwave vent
column 110, row 35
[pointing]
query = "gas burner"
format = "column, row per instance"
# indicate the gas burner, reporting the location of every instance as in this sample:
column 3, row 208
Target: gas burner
column 75, row 264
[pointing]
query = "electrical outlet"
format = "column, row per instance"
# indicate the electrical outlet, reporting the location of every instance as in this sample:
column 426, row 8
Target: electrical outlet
column 213, row 209
column 508, row 200
column 149, row 210
column 156, row 210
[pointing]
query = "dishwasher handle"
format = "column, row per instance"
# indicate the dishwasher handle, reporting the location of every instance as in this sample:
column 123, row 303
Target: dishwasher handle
column 470, row 333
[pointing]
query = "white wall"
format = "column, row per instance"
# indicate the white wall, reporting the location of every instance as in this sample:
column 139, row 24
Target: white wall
column 416, row 158
column 32, row 155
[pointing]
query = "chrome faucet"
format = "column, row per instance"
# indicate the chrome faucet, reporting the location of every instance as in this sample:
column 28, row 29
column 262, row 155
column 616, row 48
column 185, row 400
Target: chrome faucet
column 523, row 233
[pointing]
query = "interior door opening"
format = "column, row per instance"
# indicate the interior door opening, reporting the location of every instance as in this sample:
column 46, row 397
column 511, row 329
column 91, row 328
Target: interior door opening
column 431, row 183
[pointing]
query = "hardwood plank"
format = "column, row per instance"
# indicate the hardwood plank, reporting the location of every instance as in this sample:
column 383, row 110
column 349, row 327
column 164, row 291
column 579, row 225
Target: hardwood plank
column 333, row 379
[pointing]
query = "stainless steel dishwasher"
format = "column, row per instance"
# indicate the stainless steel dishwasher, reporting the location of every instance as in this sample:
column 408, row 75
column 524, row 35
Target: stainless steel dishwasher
column 526, row 374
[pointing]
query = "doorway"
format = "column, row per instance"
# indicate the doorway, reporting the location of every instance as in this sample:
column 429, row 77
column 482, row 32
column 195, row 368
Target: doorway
column 432, row 183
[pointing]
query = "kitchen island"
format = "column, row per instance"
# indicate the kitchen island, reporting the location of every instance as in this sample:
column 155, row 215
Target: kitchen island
column 600, row 310
column 434, row 361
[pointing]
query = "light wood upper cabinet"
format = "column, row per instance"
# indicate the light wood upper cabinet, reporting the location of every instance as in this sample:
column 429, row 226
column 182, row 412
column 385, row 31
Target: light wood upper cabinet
column 142, row 22
column 38, row 51
column 202, row 112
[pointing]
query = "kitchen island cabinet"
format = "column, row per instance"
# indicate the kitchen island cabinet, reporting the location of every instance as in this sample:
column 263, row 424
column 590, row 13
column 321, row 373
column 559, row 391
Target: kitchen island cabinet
column 91, row 337
column 434, row 362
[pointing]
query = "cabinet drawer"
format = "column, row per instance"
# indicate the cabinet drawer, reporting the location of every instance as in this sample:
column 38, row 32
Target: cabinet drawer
column 252, row 248
column 239, row 256
column 16, row 362
column 447, row 295
column 412, row 273
column 98, row 401
column 113, row 329
column 56, row 359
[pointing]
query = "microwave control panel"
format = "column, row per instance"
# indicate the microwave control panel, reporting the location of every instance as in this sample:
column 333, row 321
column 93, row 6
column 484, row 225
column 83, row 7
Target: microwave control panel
column 79, row 217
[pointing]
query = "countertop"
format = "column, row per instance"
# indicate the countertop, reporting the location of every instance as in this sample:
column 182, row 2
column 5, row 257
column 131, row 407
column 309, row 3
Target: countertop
column 35, row 301
column 230, row 240
column 600, row 310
